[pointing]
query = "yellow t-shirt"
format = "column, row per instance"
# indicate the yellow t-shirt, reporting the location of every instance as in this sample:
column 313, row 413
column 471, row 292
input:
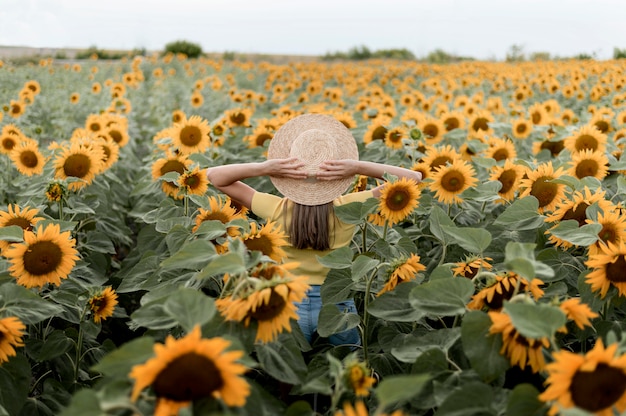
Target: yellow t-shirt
column 275, row 208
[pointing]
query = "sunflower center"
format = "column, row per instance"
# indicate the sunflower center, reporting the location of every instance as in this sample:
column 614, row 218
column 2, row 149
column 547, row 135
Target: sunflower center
column 262, row 138
column 586, row 168
column 398, row 200
column 499, row 296
column 602, row 125
column 192, row 181
column 190, row 135
column 453, row 181
column 116, row 136
column 521, row 128
column 452, row 123
column 579, row 214
column 615, row 272
column 536, row 116
column 273, row 308
column 599, row 389
column 507, row 179
column 42, row 258
column 440, row 161
column 608, row 234
column 189, row 377
column 554, row 147
column 379, row 133
column 29, row 158
column 586, row 141
column 238, row 118
column 395, row 137
column 16, row 109
column 21, row 222
column 173, row 166
column 480, row 124
column 261, row 243
column 97, row 303
column 501, row 154
column 77, row 165
column 544, row 191
column 430, row 130
column 95, row 127
column 8, row 143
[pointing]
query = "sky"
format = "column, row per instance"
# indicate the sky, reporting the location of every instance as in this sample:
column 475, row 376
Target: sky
column 482, row 29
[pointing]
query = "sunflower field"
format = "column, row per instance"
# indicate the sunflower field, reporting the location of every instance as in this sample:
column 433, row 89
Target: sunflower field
column 129, row 285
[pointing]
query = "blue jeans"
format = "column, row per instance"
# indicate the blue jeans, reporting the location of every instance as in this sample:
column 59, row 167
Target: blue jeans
column 308, row 315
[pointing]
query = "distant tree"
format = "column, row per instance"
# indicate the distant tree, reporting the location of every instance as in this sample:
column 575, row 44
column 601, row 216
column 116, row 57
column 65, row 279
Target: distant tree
column 515, row 54
column 619, row 53
column 359, row 53
column 439, row 56
column 540, row 56
column 403, row 54
column 190, row 49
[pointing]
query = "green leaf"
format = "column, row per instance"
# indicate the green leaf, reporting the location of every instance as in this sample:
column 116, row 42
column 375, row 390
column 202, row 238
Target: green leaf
column 484, row 192
column 193, row 255
column 438, row 218
column 442, row 297
column 524, row 401
column 152, row 315
column 474, row 240
column 337, row 259
column 282, row 360
column 395, row 305
column 333, row 321
column 55, row 344
column 26, row 305
column 189, row 307
column 362, row 265
column 569, row 231
column 350, row 213
column 12, row 233
column 120, row 361
column 535, row 320
column 482, row 348
column 337, row 287
column 520, row 258
column 84, row 403
column 15, row 378
column 231, row 263
column 98, row 242
column 411, row 348
column 471, row 399
column 399, row 389
column 521, row 215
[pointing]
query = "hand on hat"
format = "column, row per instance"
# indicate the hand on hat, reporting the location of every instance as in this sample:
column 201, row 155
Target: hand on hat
column 285, row 168
column 330, row 170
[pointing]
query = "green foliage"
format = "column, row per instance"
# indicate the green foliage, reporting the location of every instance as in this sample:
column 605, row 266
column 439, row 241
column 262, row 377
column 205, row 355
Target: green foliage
column 619, row 53
column 94, row 51
column 187, row 48
column 362, row 52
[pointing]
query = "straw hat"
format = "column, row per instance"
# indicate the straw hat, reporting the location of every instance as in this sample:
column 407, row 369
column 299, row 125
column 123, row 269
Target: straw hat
column 312, row 138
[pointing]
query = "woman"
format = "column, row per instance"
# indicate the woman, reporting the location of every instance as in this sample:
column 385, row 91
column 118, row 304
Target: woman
column 312, row 160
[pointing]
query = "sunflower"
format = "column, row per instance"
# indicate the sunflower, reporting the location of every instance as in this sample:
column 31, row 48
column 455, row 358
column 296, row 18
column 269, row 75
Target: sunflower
column 78, row 161
column 46, row 256
column 471, row 266
column 56, row 191
column 110, row 149
column 178, row 116
column 26, row 218
column 394, row 136
column 398, row 199
column 170, row 163
column 359, row 409
column 587, row 137
column 602, row 123
column 27, row 158
column 17, row 108
column 238, row 117
column 500, row 149
column 259, row 136
column 537, row 114
column 96, row 88
column 191, row 368
column 574, row 207
column 268, row 303
column 402, row 270
column 553, row 146
column 74, row 98
column 102, row 304
column 11, row 135
column 11, row 333
column 479, row 124
column 453, row 120
column 540, row 184
column 594, row 382
column 193, row 182
column 613, row 230
column 521, row 351
column 192, row 135
column 220, row 211
column 589, row 163
column 95, row 122
column 268, row 240
column 502, row 287
column 118, row 133
column 449, row 181
column 577, row 311
column 196, row 99
column 521, row 128
column 510, row 176
column 433, row 130
column 437, row 156
column 377, row 130
column 357, row 377
column 33, row 86
column 609, row 269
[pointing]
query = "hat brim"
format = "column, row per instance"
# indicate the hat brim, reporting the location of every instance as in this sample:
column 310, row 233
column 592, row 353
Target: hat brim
column 312, row 191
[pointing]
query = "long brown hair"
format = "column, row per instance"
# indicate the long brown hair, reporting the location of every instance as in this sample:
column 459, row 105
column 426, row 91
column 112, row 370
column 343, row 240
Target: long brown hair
column 310, row 226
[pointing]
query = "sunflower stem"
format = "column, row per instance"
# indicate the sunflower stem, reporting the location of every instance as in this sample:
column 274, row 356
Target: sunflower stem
column 79, row 345
column 366, row 303
column 61, row 209
column 186, row 205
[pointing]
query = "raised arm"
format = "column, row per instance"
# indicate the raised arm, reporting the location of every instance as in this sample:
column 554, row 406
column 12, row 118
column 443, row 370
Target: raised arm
column 338, row 169
column 227, row 178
